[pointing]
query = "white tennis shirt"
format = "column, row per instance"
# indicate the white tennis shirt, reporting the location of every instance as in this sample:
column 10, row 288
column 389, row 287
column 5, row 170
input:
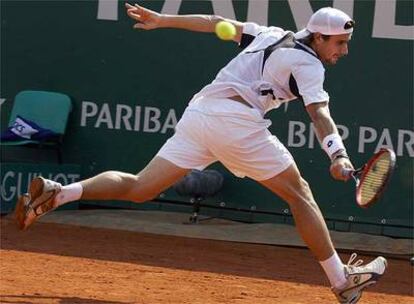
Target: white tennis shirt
column 246, row 75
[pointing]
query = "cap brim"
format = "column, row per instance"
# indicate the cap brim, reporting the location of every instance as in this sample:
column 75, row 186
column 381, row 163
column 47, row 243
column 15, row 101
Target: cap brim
column 302, row 34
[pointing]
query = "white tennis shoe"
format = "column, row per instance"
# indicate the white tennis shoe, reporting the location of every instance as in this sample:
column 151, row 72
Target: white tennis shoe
column 359, row 277
column 39, row 201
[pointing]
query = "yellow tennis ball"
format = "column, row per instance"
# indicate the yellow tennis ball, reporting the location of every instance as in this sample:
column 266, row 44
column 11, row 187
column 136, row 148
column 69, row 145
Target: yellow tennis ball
column 225, row 30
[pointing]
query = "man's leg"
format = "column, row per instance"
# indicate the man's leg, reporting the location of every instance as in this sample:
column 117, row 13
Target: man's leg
column 347, row 281
column 156, row 177
column 45, row 195
column 293, row 189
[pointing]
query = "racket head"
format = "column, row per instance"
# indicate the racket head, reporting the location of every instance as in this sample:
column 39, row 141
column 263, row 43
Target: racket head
column 374, row 177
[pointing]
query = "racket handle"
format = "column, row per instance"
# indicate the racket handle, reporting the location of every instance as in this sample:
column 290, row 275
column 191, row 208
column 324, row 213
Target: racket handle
column 348, row 173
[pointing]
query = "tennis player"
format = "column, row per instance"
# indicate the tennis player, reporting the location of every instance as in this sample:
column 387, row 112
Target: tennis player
column 225, row 122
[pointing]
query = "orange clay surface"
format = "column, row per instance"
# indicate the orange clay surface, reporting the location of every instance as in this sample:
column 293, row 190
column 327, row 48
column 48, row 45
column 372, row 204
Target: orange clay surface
column 67, row 264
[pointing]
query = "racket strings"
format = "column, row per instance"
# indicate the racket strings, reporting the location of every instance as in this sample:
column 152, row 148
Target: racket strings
column 375, row 178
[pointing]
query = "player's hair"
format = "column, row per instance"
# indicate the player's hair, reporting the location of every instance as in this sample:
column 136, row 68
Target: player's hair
column 311, row 37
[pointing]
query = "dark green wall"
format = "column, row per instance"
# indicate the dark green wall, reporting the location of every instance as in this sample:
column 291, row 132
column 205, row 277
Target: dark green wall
column 62, row 46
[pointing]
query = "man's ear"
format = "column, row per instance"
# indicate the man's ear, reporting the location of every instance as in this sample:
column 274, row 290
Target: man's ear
column 317, row 37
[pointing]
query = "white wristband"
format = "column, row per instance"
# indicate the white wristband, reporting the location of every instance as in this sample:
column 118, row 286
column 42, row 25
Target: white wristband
column 332, row 143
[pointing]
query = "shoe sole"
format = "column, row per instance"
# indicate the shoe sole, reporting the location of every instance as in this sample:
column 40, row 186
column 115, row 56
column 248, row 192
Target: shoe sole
column 23, row 202
column 36, row 187
column 356, row 299
column 21, row 210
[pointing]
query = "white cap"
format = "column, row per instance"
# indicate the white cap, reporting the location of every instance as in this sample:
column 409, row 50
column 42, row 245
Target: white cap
column 328, row 21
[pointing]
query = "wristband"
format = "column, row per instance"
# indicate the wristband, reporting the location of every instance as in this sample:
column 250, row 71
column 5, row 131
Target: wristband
column 339, row 154
column 333, row 143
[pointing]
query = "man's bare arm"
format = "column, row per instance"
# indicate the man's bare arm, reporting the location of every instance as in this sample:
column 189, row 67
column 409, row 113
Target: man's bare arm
column 325, row 126
column 322, row 120
column 147, row 19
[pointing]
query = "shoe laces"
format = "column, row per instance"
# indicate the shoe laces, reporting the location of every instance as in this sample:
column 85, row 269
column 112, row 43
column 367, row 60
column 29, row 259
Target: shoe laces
column 352, row 259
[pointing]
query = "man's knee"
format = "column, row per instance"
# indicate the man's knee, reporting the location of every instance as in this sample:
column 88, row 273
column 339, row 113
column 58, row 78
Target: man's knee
column 141, row 192
column 304, row 194
column 304, row 186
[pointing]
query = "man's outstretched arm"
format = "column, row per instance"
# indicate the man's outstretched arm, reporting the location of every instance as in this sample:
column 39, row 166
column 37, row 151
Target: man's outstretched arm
column 147, row 19
column 327, row 134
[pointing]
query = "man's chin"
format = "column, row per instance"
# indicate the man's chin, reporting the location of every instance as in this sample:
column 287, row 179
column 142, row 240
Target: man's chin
column 331, row 61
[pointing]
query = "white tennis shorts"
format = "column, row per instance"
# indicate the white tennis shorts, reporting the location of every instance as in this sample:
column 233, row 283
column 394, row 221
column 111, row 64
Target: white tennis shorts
column 219, row 129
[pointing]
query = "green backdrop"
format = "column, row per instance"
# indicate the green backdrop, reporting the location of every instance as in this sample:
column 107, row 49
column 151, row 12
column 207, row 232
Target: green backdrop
column 130, row 87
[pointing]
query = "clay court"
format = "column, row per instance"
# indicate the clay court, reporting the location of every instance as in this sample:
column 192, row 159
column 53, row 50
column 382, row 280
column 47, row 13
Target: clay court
column 55, row 263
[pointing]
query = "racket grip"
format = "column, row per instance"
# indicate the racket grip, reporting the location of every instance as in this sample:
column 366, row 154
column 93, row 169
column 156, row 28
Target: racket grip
column 347, row 172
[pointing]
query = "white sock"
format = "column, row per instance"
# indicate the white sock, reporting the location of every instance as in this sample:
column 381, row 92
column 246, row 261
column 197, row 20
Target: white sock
column 334, row 269
column 69, row 193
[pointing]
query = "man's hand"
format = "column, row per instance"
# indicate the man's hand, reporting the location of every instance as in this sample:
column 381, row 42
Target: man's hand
column 337, row 167
column 147, row 19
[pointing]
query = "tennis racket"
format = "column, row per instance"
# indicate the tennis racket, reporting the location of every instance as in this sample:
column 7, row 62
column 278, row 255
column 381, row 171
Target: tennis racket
column 372, row 178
